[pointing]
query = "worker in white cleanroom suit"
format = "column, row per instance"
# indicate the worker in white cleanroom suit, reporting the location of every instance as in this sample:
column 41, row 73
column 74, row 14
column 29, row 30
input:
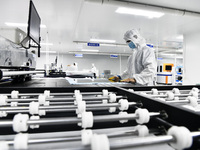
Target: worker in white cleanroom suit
column 141, row 66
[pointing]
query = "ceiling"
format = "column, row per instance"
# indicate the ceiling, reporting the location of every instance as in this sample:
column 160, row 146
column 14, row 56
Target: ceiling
column 71, row 24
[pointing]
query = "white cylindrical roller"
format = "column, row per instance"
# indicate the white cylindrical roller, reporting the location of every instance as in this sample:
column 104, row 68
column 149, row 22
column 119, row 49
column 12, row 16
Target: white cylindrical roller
column 4, row 145
column 34, row 108
column 175, row 91
column 42, row 99
column 81, row 107
column 87, row 120
column 21, row 141
column 154, row 91
column 47, row 93
column 112, row 97
column 195, row 89
column 34, row 118
column 131, row 90
column 170, row 95
column 42, row 113
column 124, row 105
column 182, row 136
column 76, row 92
column 123, row 114
column 100, row 142
column 194, row 94
column 75, row 102
column 47, row 103
column 3, row 100
column 105, row 92
column 3, row 114
column 142, row 130
column 20, row 122
column 112, row 109
column 14, row 104
column 176, row 98
column 161, row 93
column 86, row 137
column 14, row 94
column 79, row 98
column 143, row 115
column 104, row 101
column 192, row 101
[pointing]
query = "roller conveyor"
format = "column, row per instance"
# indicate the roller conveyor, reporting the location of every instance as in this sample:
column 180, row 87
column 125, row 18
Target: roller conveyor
column 64, row 108
column 162, row 112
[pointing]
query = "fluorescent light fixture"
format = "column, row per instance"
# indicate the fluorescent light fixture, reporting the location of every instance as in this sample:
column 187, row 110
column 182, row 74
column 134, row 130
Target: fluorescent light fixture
column 179, row 50
column 48, row 51
column 43, row 26
column 21, row 24
column 47, row 44
column 180, row 37
column 103, row 41
column 90, row 50
column 146, row 13
column 115, row 45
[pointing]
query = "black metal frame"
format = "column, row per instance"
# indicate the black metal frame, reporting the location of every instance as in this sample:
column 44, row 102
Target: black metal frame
column 172, row 115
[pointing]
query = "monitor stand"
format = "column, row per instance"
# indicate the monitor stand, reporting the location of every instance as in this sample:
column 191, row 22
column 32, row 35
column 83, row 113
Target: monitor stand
column 25, row 42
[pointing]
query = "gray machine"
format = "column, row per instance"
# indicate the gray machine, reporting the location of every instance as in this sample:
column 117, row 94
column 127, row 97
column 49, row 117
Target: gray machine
column 13, row 55
column 15, row 58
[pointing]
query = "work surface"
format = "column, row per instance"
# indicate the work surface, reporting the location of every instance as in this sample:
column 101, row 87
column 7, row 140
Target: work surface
column 57, row 82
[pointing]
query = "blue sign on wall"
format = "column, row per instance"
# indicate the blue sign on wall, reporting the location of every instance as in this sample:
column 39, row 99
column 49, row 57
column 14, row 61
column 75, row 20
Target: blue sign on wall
column 93, row 44
column 78, row 55
column 113, row 56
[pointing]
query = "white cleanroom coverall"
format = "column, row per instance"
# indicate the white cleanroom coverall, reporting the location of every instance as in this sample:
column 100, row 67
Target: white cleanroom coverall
column 141, row 63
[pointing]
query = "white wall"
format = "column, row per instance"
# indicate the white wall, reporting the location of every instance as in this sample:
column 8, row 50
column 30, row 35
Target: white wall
column 191, row 58
column 102, row 62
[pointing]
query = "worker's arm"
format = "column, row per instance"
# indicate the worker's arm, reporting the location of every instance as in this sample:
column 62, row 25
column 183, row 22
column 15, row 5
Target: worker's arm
column 129, row 80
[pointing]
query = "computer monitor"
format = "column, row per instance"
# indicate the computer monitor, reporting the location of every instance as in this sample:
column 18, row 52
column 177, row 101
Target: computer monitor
column 168, row 67
column 33, row 30
column 106, row 72
column 34, row 22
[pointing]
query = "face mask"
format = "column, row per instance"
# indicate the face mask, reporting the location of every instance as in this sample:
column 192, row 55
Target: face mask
column 131, row 45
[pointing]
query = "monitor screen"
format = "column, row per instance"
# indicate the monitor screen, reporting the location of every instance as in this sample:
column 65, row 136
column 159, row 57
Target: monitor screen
column 167, row 67
column 34, row 22
column 106, row 72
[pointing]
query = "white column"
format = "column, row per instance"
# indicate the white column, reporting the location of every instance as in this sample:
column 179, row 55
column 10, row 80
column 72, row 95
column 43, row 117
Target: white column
column 191, row 58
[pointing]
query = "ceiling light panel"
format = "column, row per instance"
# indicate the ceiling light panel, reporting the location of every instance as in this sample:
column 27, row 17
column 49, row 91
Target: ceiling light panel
column 140, row 12
column 90, row 50
column 102, row 40
column 12, row 24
